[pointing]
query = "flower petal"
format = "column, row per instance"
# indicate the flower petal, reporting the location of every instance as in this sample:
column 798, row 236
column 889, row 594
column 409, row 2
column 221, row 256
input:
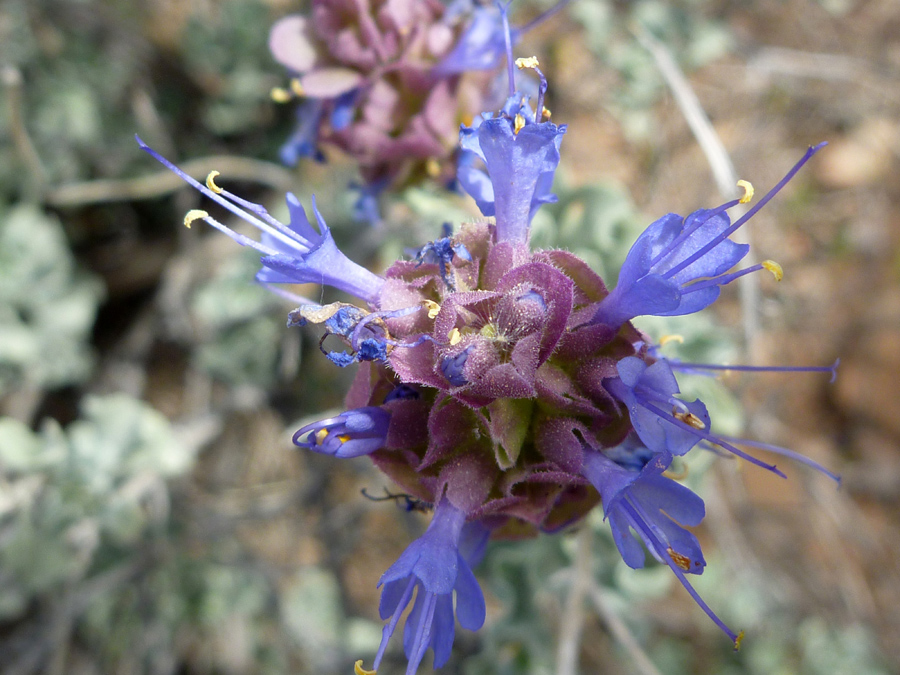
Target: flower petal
column 470, row 608
column 330, row 82
column 290, row 44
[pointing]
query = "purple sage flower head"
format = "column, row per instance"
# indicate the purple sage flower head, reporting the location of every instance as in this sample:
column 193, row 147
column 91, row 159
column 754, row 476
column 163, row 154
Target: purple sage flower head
column 389, row 82
column 507, row 386
column 367, row 77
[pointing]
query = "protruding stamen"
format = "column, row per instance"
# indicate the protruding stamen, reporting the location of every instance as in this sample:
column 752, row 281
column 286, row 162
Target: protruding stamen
column 686, row 366
column 546, row 114
column 519, row 124
column 432, row 307
column 297, row 88
column 270, row 225
column 192, row 215
column 722, row 280
column 738, row 640
column 211, row 182
column 665, row 339
column 774, row 268
column 724, row 234
column 359, row 670
column 527, row 62
column 710, row 438
column 747, row 187
column 790, row 454
column 280, row 95
column 648, row 535
column 681, row 560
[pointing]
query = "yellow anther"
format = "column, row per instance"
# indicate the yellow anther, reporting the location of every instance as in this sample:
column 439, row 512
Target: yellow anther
column 297, row 88
column 666, row 339
column 774, row 268
column 677, row 475
column 454, row 336
column 211, row 182
column 343, row 438
column 280, row 95
column 321, row 435
column 527, row 62
column 688, row 418
column 519, row 124
column 192, row 215
column 359, row 670
column 738, row 640
column 432, row 167
column 681, row 560
column 545, row 113
column 432, row 307
column 748, row 191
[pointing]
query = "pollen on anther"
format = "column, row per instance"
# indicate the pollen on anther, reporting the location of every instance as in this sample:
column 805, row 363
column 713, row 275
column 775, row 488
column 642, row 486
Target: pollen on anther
column 677, row 475
column 211, row 182
column 454, row 336
column 545, row 113
column 321, row 435
column 192, row 215
column 666, row 339
column 774, row 268
column 689, row 418
column 432, row 307
column 681, row 560
column 432, row 167
column 527, row 62
column 747, row 187
column 280, row 95
column 297, row 88
column 519, row 124
column 359, row 670
column 738, row 640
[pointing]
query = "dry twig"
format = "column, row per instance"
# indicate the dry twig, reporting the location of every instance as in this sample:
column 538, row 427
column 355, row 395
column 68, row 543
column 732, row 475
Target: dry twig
column 620, row 631
column 719, row 163
column 572, row 623
column 164, row 182
column 12, row 82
